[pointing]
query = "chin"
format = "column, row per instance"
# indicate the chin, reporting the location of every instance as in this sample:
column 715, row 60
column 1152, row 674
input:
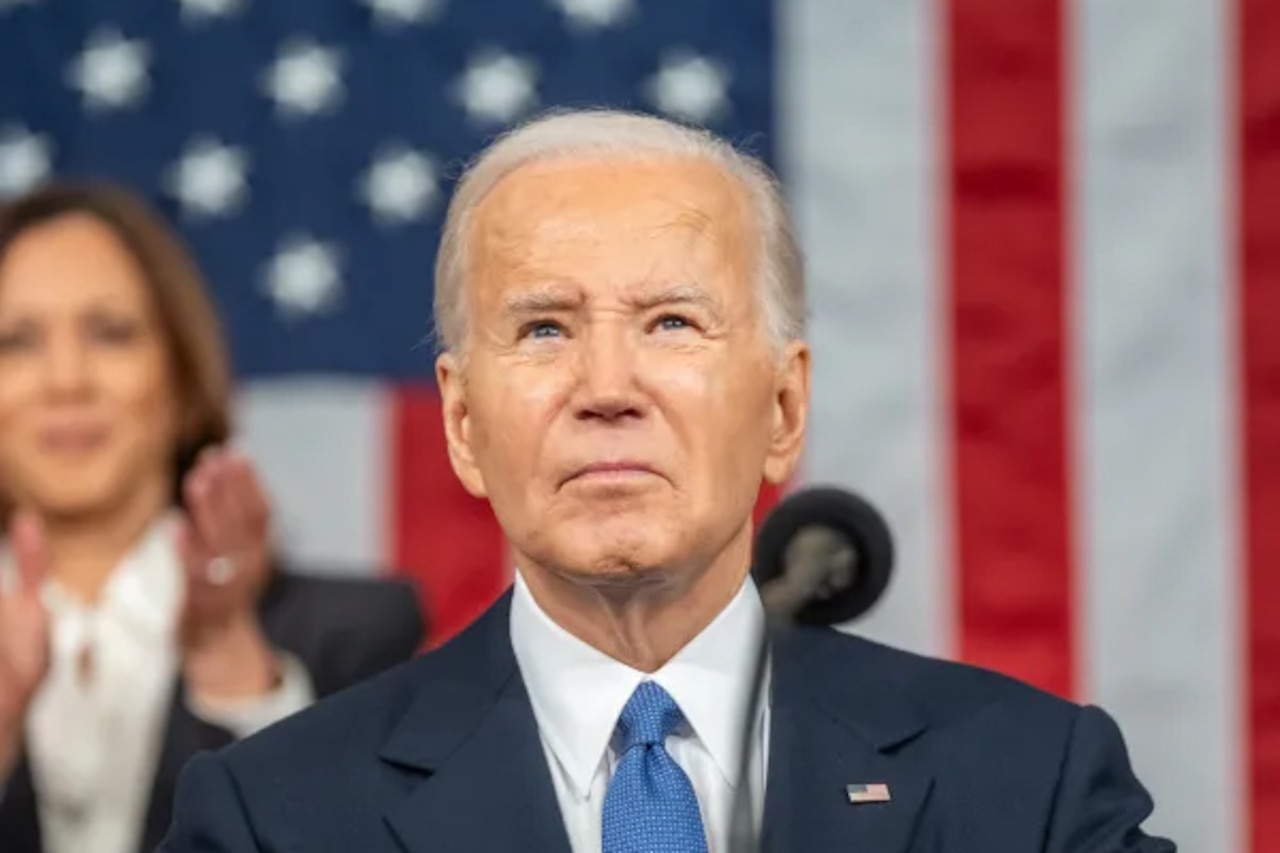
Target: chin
column 612, row 572
column 76, row 503
column 90, row 490
column 617, row 550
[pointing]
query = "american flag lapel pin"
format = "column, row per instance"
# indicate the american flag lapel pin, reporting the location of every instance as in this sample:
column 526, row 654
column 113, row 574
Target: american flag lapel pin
column 875, row 793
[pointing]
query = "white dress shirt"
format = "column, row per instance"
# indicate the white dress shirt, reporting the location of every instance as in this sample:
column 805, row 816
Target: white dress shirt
column 578, row 692
column 94, row 730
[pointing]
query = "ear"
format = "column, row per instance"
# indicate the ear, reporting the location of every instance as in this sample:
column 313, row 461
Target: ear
column 790, row 413
column 457, row 423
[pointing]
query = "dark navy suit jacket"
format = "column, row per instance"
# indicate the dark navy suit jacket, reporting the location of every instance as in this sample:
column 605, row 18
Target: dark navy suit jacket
column 443, row 754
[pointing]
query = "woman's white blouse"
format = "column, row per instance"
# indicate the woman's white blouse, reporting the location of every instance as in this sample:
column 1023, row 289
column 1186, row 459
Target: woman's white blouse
column 95, row 728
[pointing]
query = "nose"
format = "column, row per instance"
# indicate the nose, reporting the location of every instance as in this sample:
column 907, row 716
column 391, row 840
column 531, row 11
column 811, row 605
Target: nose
column 608, row 388
column 67, row 366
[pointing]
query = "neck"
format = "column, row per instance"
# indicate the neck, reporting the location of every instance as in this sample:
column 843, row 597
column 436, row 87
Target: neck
column 84, row 549
column 645, row 625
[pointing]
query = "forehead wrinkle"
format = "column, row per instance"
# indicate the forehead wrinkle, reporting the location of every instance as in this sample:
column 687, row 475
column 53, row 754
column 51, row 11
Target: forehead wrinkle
column 517, row 253
column 691, row 218
column 716, row 220
column 508, row 242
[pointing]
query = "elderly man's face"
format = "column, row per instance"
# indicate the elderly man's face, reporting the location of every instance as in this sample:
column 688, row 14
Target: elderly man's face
column 620, row 400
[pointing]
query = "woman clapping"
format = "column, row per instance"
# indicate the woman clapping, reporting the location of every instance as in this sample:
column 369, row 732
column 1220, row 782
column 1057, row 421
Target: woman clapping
column 143, row 613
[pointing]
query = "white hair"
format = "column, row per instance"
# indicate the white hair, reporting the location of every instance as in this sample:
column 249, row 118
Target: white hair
column 614, row 133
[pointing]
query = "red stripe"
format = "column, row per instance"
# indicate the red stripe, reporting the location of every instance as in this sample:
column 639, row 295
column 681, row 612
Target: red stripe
column 1004, row 76
column 1259, row 307
column 444, row 538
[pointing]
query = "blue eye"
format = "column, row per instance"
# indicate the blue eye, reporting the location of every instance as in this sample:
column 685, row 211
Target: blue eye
column 673, row 321
column 544, row 329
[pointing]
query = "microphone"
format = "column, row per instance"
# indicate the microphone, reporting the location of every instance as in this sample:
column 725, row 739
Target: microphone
column 823, row 556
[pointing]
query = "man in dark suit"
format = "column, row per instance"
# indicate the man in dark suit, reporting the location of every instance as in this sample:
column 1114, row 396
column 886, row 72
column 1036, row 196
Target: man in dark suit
column 621, row 306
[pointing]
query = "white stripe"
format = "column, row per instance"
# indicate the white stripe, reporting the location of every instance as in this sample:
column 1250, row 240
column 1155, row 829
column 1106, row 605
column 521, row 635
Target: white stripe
column 857, row 110
column 320, row 446
column 1158, row 498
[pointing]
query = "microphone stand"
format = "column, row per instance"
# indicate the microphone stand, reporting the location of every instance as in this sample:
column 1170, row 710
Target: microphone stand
column 743, row 837
column 783, row 597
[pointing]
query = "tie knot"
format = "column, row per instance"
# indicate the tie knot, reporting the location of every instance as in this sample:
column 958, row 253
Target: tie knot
column 649, row 716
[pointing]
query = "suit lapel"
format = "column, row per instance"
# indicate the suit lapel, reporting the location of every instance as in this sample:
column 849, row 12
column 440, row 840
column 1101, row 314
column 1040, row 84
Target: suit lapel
column 471, row 773
column 19, row 812
column 185, row 734
column 836, row 721
column 474, row 774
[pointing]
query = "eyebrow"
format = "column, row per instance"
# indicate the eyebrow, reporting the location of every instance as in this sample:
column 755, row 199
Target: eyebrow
column 680, row 294
column 542, row 300
column 553, row 299
column 95, row 307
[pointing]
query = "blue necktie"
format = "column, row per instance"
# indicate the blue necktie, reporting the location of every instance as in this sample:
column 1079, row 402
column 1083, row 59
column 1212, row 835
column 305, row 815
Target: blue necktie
column 650, row 806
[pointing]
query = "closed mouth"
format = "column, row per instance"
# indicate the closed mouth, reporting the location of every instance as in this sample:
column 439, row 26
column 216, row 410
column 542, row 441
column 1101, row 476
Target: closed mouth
column 611, row 471
column 73, row 439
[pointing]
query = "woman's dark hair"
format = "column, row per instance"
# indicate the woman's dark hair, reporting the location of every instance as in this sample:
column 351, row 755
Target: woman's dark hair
column 200, row 366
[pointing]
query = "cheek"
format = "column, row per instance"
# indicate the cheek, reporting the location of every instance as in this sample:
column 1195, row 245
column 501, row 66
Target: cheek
column 18, row 392
column 511, row 415
column 141, row 399
column 19, row 402
column 719, row 398
column 722, row 416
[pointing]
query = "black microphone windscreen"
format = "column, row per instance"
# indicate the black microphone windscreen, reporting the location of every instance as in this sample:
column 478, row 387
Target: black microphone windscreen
column 840, row 516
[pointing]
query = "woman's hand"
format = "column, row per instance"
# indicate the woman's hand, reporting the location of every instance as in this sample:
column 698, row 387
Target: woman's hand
column 226, row 550
column 24, row 635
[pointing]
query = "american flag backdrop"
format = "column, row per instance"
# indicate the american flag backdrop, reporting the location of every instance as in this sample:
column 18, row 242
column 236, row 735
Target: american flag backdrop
column 1044, row 246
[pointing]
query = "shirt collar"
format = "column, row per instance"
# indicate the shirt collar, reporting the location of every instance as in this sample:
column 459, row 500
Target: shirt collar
column 146, row 587
column 578, row 692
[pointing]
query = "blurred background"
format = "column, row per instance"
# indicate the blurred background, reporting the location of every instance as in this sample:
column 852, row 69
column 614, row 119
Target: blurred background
column 1044, row 249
